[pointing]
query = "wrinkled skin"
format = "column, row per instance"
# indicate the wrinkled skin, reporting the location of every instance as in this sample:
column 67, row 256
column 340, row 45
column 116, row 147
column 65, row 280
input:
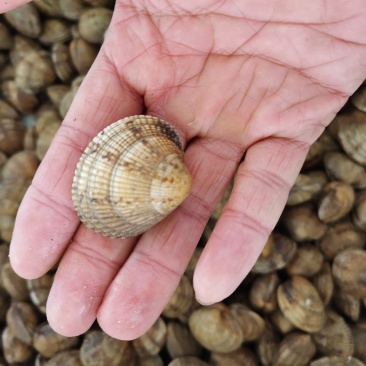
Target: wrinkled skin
column 257, row 77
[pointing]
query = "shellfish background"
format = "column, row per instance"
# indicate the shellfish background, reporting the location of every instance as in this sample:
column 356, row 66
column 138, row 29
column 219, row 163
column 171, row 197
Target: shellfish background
column 251, row 320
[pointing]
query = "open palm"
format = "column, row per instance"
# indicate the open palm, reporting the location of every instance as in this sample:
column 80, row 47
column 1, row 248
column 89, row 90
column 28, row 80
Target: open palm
column 260, row 78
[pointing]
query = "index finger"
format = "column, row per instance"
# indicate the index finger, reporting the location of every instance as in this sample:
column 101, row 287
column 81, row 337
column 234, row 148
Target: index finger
column 46, row 219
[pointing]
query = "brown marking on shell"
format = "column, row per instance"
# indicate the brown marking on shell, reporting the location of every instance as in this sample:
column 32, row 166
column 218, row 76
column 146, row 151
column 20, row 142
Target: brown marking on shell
column 25, row 19
column 296, row 349
column 93, row 24
column 301, row 304
column 215, row 328
column 152, row 341
column 336, row 201
column 337, row 361
column 34, row 72
column 351, row 135
column 130, row 177
column 335, row 338
column 278, row 251
column 349, row 271
column 180, row 341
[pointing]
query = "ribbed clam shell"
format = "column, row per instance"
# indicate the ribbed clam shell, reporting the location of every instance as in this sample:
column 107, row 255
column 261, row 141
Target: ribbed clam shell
column 130, row 177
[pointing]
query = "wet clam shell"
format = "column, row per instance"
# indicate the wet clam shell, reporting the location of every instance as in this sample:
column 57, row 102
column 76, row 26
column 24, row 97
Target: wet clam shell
column 337, row 361
column 300, row 302
column 351, row 135
column 349, row 272
column 216, row 328
column 130, row 177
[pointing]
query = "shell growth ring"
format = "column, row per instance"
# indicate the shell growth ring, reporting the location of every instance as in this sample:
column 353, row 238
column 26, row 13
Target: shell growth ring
column 130, row 177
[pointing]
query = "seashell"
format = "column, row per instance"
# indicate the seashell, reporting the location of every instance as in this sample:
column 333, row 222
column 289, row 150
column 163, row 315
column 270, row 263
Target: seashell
column 180, row 341
column 46, row 115
column 53, row 31
column 39, row 289
column 337, row 361
column 307, row 261
column 152, row 341
column 215, row 328
column 7, row 72
column 23, row 100
column 25, row 19
column 188, row 361
column 72, row 9
column 30, row 139
column 142, row 156
column 3, row 59
column 11, row 194
column 359, row 341
column 216, row 213
column 302, row 223
column 306, row 187
column 22, row 46
column 340, row 237
column 281, row 322
column 65, row 358
column 358, row 99
column 82, row 54
column 6, row 38
column 349, row 272
column 14, row 285
column 251, row 323
column 155, row 360
column 262, row 293
column 68, row 97
column 5, row 302
column 14, row 350
column 336, row 201
column 100, row 349
column 240, row 357
column 23, row 164
column 278, row 251
column 48, row 343
column 192, row 263
column 22, row 319
column 62, row 63
column 96, row 3
column 45, row 139
column 348, row 304
column 93, row 24
column 7, row 111
column 34, row 72
column 319, row 148
column 180, row 304
column 267, row 346
column 296, row 349
column 3, row 160
column 49, row 7
column 323, row 282
column 340, row 167
column 300, row 303
column 359, row 210
column 11, row 135
column 56, row 93
column 335, row 339
column 351, row 135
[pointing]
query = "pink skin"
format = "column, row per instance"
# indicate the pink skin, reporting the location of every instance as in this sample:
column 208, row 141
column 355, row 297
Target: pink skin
column 6, row 5
column 261, row 77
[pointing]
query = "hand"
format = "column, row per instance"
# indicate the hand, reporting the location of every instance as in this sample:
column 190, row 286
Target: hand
column 260, row 78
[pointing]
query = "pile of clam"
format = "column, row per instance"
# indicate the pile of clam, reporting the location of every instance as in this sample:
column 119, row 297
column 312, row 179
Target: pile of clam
column 304, row 302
